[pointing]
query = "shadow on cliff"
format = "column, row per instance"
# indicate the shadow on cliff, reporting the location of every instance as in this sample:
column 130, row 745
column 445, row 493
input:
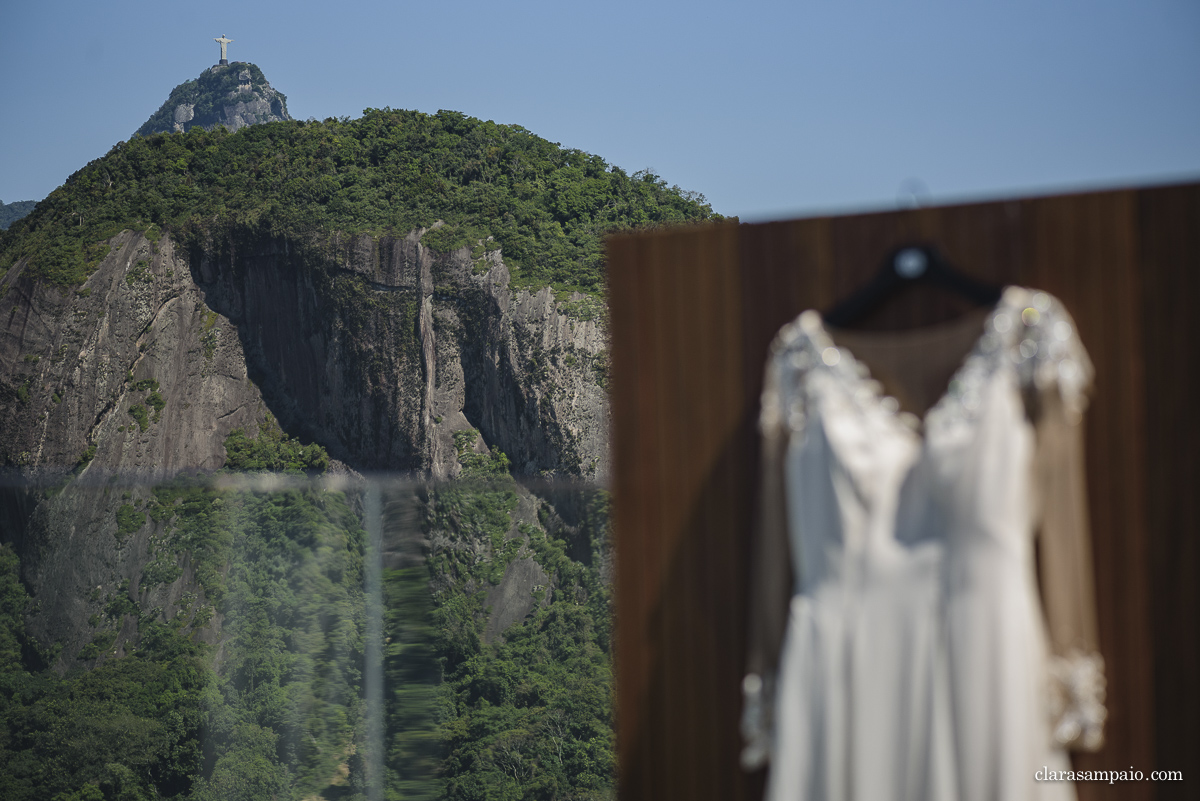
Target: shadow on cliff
column 337, row 362
column 381, row 350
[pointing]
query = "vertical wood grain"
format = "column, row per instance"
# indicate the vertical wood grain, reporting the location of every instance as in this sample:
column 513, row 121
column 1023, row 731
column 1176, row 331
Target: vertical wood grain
column 632, row 413
column 1169, row 263
column 1082, row 248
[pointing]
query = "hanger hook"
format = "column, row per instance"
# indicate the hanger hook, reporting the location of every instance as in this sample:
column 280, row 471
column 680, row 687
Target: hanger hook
column 911, row 263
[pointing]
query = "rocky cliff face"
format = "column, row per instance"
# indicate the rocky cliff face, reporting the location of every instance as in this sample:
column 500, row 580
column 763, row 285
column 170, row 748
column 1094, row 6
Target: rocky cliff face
column 72, row 359
column 85, row 374
column 380, row 353
column 233, row 95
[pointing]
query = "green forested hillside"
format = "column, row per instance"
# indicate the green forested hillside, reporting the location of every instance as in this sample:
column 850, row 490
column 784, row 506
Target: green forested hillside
column 528, row 717
column 278, row 710
column 269, row 714
column 548, row 207
column 253, row 684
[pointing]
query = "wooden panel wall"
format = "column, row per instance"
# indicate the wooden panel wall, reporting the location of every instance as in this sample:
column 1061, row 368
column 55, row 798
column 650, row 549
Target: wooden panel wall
column 1169, row 257
column 693, row 311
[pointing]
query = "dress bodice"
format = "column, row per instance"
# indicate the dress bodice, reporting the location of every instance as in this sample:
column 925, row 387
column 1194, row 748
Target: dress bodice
column 960, row 475
column 916, row 642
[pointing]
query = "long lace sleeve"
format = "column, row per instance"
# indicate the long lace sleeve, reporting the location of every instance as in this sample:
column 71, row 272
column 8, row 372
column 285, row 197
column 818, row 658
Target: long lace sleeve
column 770, row 579
column 1061, row 379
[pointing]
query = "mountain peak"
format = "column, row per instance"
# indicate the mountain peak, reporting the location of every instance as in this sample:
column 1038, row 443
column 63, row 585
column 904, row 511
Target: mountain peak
column 233, row 95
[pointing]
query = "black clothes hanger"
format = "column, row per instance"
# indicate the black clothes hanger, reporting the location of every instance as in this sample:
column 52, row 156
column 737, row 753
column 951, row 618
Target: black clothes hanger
column 903, row 267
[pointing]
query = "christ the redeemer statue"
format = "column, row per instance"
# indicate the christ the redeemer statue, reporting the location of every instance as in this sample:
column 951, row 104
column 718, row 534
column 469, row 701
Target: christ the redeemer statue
column 224, row 43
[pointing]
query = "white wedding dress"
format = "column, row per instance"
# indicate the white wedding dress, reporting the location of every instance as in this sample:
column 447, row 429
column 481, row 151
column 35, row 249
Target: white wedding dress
column 915, row 662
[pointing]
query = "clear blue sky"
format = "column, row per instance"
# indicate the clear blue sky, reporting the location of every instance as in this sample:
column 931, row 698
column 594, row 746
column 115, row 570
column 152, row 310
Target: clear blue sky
column 772, row 110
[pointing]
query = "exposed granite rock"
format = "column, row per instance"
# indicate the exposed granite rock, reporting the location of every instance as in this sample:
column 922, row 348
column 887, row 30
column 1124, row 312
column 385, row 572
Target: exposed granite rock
column 512, row 599
column 383, row 353
column 184, row 113
column 379, row 353
column 79, row 353
column 233, row 95
column 71, row 364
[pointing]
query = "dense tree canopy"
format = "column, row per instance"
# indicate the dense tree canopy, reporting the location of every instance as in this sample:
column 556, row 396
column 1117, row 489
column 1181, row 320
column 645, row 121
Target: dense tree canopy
column 277, row 709
column 546, row 206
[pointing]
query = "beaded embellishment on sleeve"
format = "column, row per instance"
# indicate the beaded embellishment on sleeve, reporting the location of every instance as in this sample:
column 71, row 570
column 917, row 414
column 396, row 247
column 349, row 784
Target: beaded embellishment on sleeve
column 1077, row 700
column 757, row 698
column 1047, row 350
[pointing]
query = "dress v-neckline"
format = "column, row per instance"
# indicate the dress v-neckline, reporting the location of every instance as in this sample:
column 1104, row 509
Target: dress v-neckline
column 992, row 329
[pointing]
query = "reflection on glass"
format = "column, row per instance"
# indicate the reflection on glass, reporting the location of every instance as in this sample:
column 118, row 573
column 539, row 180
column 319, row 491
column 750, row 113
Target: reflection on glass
column 281, row 632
